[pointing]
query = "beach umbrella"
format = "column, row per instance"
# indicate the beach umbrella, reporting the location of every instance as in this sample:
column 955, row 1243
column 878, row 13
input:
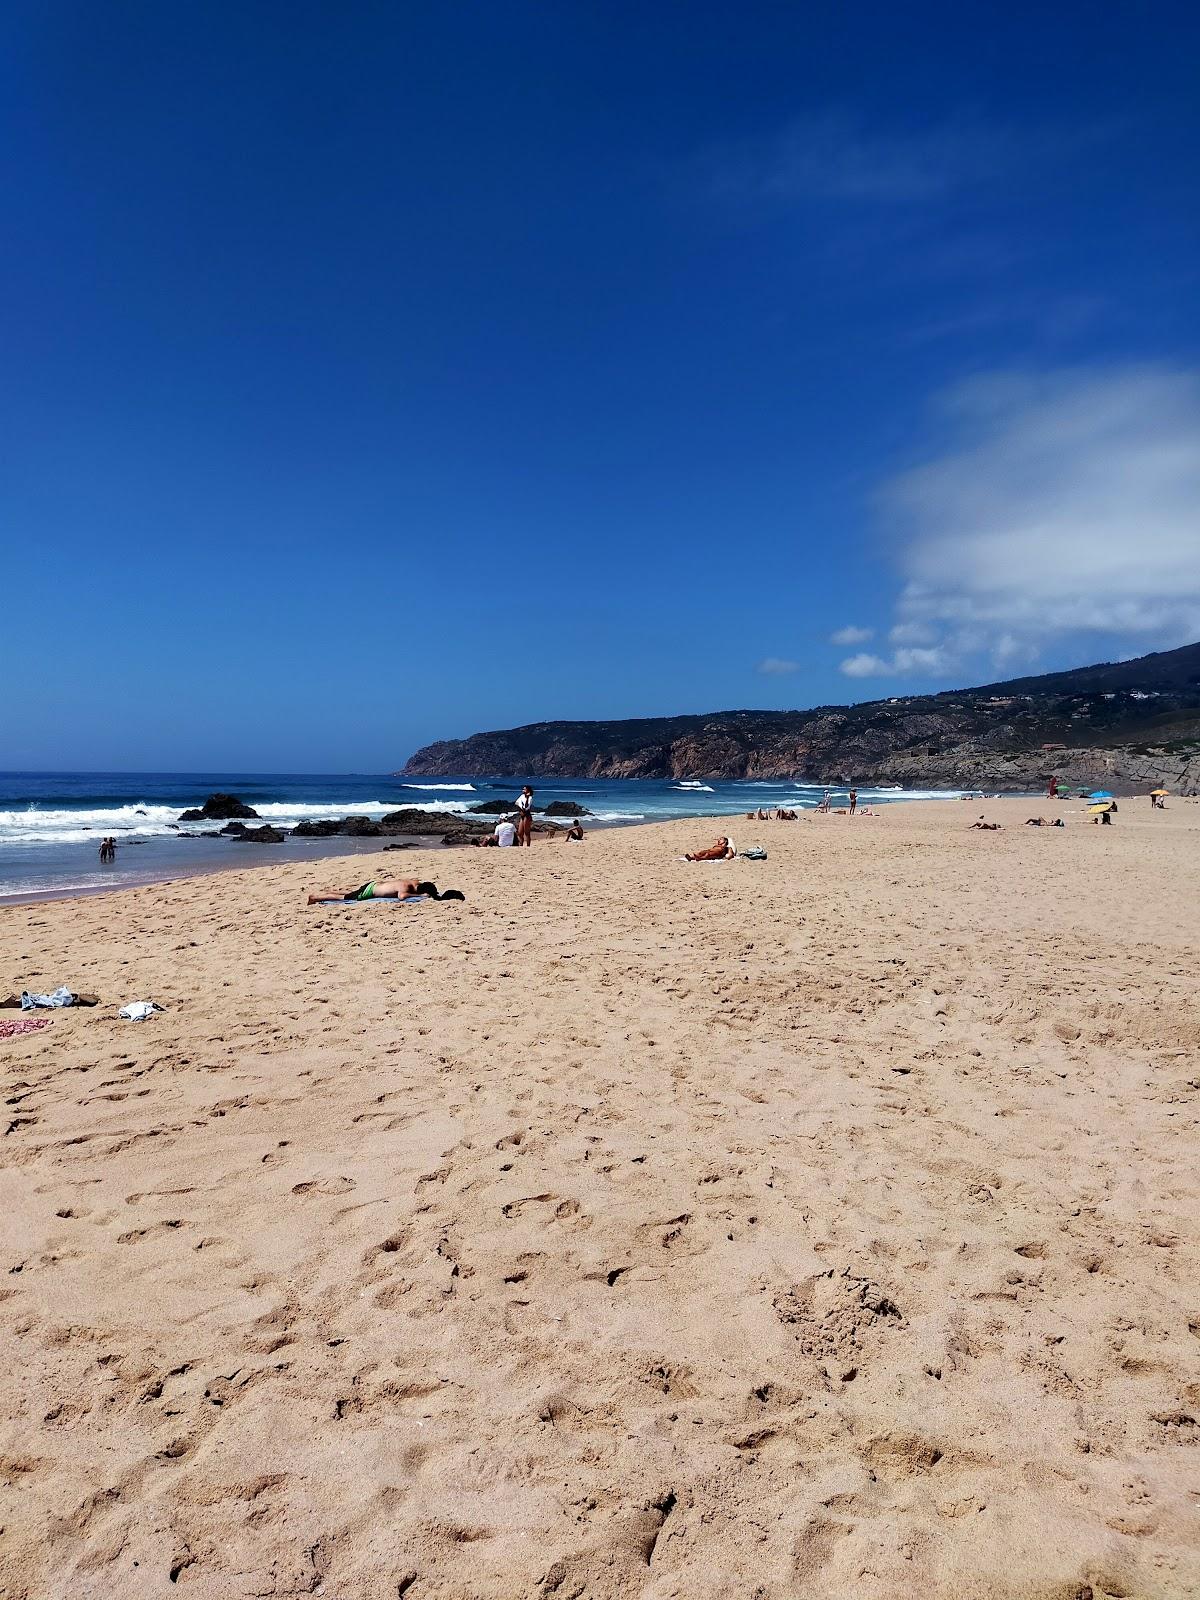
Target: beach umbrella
column 1160, row 791
column 1104, row 805
column 1099, row 794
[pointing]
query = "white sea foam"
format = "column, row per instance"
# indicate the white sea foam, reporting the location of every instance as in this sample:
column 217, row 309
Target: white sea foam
column 688, row 783
column 445, row 786
column 34, row 825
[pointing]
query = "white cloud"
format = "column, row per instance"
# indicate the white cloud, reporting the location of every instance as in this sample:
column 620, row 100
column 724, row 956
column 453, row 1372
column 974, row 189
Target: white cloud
column 865, row 666
column 1059, row 503
column 832, row 155
column 851, row 635
column 777, row 667
column 912, row 633
column 903, row 663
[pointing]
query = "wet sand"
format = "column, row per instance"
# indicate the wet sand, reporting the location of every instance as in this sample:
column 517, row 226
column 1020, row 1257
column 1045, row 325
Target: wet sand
column 825, row 1226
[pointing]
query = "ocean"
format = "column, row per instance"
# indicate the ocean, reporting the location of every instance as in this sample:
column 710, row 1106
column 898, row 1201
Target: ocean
column 51, row 823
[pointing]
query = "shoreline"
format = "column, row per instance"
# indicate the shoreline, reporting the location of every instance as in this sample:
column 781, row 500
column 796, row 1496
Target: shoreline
column 69, row 870
column 337, row 848
column 330, row 849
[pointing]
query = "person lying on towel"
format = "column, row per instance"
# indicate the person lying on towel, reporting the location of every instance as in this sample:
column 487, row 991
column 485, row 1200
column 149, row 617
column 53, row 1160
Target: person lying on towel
column 721, row 851
column 388, row 889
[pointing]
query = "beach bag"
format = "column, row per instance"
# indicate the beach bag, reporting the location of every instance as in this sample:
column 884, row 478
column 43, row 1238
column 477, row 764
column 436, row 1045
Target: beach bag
column 755, row 853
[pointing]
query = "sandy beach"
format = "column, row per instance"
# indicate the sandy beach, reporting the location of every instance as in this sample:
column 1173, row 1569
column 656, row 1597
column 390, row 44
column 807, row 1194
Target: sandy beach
column 827, row 1226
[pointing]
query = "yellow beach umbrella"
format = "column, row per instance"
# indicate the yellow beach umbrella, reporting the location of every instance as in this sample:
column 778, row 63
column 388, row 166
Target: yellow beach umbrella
column 1104, row 805
column 1160, row 791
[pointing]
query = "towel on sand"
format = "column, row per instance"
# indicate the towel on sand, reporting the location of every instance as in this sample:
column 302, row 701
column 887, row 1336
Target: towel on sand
column 25, row 1025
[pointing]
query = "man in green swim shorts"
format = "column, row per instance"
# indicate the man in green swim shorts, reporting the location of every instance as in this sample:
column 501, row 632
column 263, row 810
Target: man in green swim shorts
column 386, row 889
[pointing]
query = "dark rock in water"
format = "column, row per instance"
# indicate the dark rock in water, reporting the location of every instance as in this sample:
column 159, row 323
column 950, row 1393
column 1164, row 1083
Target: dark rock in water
column 565, row 808
column 231, row 830
column 360, row 828
column 493, row 808
column 464, row 835
column 333, row 827
column 218, row 808
column 409, row 844
column 264, row 835
column 411, row 819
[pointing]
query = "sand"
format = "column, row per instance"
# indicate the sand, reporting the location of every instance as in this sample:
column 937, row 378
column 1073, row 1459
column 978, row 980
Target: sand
column 826, row 1226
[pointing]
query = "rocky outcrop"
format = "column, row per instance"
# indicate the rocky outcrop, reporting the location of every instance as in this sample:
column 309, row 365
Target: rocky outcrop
column 1130, row 723
column 264, row 835
column 493, row 808
column 566, row 808
column 218, row 808
column 411, row 819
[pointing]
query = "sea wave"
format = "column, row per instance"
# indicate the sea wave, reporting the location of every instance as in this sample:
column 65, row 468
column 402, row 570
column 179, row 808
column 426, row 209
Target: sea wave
column 37, row 825
column 687, row 783
column 442, row 786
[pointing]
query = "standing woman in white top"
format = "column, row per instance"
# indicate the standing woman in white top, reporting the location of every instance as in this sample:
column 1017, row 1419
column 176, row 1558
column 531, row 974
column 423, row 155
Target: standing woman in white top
column 525, row 816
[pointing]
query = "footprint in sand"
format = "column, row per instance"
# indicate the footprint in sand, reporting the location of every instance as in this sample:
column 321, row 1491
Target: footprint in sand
column 338, row 1185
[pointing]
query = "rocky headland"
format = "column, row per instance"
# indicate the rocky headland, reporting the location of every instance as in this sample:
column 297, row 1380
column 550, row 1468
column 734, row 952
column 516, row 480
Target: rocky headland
column 1131, row 723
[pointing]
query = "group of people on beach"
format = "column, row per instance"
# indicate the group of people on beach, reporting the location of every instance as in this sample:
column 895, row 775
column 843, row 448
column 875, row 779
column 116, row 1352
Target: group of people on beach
column 511, row 831
column 517, row 829
column 108, row 851
column 823, row 807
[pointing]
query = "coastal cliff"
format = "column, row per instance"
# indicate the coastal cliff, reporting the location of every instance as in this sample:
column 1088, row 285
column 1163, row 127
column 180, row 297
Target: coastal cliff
column 1130, row 722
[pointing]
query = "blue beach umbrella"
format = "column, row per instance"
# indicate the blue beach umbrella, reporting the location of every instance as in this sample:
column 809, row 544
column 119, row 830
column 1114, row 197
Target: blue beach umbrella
column 1099, row 794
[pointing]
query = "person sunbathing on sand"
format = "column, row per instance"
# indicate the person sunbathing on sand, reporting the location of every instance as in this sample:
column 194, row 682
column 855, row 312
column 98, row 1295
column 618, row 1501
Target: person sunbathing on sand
column 987, row 827
column 721, row 851
column 387, row 889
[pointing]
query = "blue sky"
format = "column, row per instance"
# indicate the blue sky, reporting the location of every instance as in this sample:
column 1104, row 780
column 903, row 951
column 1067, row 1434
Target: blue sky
column 371, row 373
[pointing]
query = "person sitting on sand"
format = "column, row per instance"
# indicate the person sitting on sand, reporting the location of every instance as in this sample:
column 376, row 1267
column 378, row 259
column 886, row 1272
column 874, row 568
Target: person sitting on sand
column 722, row 850
column 388, row 889
column 987, row 827
column 575, row 831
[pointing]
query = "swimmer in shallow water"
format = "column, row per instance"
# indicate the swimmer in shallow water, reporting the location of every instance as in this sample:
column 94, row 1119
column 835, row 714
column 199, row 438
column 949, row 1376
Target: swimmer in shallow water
column 388, row 889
